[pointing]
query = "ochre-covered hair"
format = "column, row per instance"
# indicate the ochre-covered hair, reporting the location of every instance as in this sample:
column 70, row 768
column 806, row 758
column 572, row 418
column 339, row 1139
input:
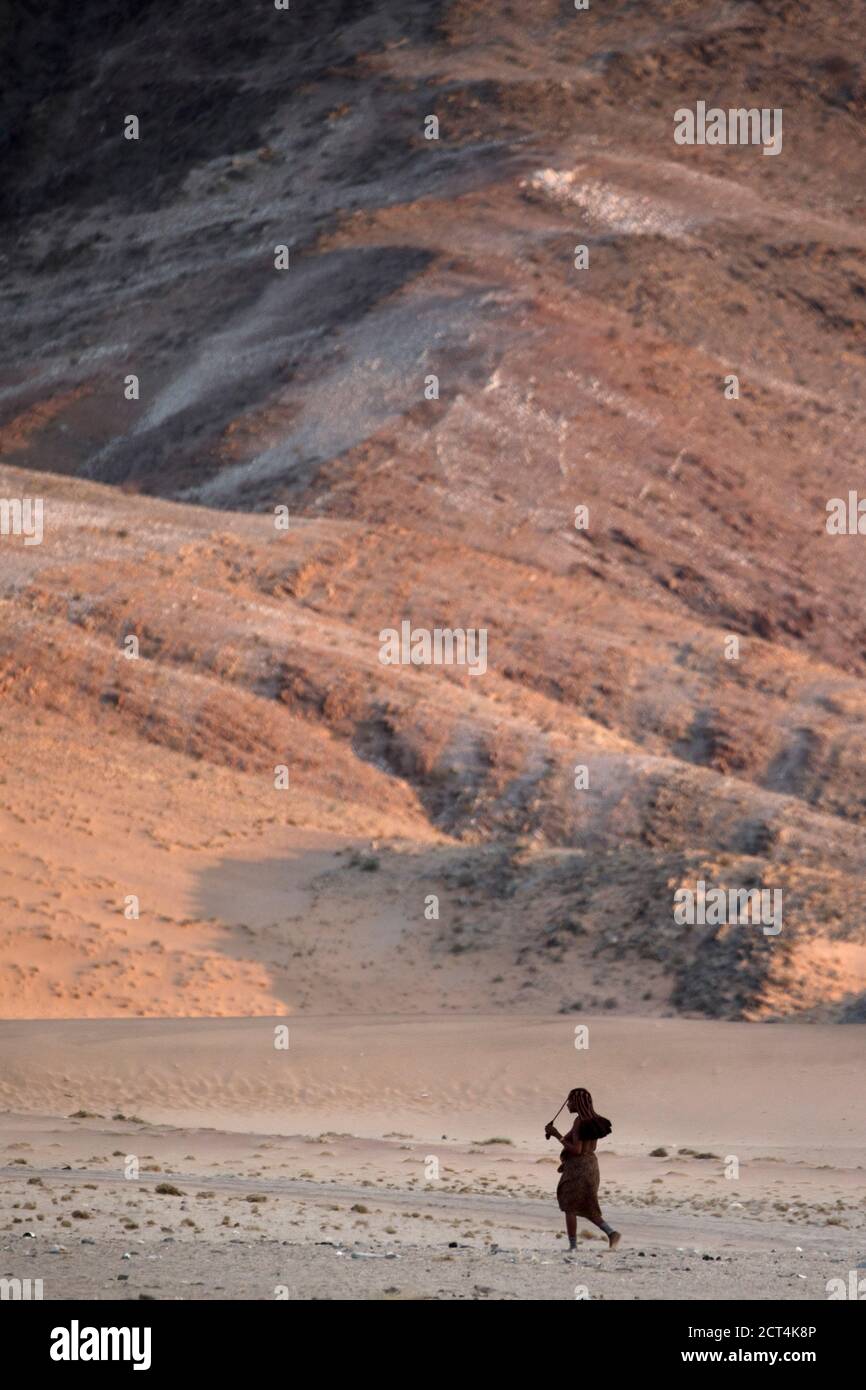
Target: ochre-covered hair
column 592, row 1126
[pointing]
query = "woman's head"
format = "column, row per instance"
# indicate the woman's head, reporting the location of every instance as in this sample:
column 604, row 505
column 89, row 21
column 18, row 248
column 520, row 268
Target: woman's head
column 590, row 1124
column 580, row 1103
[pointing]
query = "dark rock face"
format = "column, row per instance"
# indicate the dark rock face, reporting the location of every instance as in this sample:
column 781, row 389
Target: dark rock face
column 204, row 80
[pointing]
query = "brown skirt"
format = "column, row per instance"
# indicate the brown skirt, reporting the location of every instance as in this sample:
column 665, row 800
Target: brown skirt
column 577, row 1190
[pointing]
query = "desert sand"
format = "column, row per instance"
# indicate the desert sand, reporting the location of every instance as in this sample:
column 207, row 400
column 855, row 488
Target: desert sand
column 306, row 1172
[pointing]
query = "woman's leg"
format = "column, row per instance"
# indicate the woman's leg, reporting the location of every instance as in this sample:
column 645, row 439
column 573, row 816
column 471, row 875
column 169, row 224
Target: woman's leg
column 571, row 1228
column 613, row 1237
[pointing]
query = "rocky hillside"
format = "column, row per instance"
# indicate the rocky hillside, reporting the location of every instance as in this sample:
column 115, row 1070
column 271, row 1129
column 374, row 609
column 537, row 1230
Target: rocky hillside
column 434, row 390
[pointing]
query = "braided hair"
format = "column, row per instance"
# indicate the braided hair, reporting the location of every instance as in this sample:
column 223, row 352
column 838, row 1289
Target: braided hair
column 591, row 1125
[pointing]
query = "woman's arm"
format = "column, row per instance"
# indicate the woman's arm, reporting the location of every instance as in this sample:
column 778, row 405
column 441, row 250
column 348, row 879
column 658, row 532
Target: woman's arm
column 576, row 1149
column 570, row 1146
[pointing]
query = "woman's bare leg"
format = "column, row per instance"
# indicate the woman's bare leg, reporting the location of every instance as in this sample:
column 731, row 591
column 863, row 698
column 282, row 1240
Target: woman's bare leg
column 571, row 1228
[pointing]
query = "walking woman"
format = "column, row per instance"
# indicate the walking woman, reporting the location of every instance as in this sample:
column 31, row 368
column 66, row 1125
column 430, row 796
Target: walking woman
column 577, row 1190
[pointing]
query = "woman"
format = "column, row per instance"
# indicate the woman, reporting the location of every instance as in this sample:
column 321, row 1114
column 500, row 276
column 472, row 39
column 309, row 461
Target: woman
column 577, row 1190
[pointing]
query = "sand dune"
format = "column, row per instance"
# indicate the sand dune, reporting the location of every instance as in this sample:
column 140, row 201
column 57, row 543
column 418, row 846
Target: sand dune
column 738, row 1087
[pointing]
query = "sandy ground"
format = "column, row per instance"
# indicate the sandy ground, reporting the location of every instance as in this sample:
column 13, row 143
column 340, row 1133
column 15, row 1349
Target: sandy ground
column 559, row 389
column 393, row 1158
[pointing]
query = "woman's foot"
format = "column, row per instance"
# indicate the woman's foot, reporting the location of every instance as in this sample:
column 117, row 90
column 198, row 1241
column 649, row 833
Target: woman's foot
column 614, row 1239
